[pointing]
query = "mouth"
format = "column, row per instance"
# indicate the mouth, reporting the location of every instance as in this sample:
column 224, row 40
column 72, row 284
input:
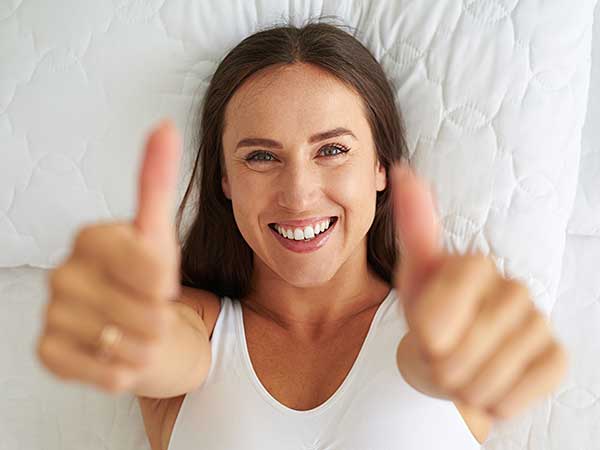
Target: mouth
column 304, row 244
column 313, row 230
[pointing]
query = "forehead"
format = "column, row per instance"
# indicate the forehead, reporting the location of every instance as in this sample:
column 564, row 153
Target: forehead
column 299, row 97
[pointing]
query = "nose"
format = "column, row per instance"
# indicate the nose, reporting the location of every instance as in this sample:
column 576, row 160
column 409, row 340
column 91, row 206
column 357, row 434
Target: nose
column 298, row 188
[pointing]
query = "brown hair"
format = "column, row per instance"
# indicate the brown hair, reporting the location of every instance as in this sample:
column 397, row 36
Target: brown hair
column 214, row 255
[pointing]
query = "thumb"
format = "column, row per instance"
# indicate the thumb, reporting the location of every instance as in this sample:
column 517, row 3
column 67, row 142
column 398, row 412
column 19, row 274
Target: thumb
column 158, row 182
column 417, row 228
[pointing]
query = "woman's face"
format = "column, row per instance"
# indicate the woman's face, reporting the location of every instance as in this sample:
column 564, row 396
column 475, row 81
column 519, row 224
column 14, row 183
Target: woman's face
column 296, row 177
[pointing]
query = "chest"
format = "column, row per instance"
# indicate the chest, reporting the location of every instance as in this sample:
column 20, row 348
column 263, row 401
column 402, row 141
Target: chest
column 303, row 375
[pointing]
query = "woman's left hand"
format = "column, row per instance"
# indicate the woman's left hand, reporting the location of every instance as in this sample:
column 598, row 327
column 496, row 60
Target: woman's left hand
column 480, row 339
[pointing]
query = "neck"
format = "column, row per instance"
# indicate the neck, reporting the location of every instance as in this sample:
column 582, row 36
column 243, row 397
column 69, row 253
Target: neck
column 307, row 312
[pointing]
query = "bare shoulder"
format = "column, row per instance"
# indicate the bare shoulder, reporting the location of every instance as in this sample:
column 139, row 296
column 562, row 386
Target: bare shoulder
column 159, row 414
column 205, row 303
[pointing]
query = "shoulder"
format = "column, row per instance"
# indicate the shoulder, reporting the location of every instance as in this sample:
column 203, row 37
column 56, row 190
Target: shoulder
column 159, row 414
column 204, row 303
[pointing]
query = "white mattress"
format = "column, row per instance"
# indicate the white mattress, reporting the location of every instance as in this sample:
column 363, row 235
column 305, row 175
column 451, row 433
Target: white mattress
column 37, row 411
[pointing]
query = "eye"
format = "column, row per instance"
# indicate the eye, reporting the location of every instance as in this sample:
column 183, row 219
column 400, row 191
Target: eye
column 262, row 154
column 341, row 149
column 330, row 150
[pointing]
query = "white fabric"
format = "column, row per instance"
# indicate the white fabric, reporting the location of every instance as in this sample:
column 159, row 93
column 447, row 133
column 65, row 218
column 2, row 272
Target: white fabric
column 585, row 219
column 374, row 408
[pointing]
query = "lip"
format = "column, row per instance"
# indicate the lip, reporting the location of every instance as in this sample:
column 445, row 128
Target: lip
column 306, row 246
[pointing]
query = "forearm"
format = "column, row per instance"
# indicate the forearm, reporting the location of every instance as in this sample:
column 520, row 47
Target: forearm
column 183, row 362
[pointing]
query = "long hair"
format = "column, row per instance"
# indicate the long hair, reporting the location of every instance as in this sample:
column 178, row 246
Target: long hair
column 214, row 255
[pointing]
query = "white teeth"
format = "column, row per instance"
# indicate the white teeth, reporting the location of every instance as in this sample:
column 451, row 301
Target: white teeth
column 300, row 234
column 309, row 232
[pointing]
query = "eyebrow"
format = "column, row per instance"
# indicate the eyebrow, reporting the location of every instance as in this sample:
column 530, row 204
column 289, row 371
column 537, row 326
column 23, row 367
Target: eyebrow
column 262, row 142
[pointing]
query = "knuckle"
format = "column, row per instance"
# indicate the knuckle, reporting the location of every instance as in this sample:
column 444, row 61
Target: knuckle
column 59, row 278
column 53, row 313
column 475, row 262
column 117, row 380
column 446, row 379
column 458, row 264
column 436, row 345
column 517, row 289
column 85, row 238
column 539, row 324
column 514, row 300
column 560, row 356
column 53, row 275
column 62, row 279
column 46, row 353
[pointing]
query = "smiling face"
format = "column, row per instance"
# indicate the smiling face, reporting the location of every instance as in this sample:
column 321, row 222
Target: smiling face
column 304, row 173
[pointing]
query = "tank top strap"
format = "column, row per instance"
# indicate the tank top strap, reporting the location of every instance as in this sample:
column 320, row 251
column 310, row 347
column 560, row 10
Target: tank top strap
column 223, row 341
column 392, row 314
column 388, row 330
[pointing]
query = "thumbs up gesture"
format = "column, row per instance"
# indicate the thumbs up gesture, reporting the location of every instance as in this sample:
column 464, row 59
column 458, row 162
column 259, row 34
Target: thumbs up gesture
column 474, row 336
column 119, row 277
column 156, row 195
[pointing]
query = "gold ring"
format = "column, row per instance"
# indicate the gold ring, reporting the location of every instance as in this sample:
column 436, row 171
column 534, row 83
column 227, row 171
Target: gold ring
column 110, row 336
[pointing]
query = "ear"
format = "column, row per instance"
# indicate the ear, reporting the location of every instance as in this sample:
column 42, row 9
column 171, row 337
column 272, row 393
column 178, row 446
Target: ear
column 225, row 186
column 380, row 177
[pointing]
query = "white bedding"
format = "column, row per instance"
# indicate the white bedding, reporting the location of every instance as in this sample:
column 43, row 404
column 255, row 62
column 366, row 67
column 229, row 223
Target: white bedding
column 70, row 108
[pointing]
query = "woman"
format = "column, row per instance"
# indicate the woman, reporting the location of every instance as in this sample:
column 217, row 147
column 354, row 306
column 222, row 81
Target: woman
column 297, row 325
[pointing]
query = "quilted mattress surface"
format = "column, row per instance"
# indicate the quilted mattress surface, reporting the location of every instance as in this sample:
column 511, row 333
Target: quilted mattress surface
column 494, row 94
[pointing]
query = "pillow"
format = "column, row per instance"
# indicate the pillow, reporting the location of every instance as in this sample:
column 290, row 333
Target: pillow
column 585, row 219
column 493, row 94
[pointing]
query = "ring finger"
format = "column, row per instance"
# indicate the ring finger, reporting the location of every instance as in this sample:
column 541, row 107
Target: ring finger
column 84, row 325
column 70, row 362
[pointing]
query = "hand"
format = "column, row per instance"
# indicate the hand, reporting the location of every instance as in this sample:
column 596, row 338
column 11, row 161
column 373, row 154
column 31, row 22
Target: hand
column 478, row 336
column 120, row 273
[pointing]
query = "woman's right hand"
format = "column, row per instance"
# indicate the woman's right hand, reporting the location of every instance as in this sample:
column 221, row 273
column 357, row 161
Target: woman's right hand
column 120, row 273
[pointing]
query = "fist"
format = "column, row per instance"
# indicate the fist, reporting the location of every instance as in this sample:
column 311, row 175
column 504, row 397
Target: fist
column 120, row 273
column 479, row 338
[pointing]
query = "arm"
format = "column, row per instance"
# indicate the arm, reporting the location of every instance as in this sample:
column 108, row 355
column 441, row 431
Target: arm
column 416, row 373
column 184, row 358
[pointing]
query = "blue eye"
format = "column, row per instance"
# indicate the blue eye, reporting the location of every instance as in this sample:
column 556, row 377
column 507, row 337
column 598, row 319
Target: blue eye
column 253, row 156
column 263, row 156
column 340, row 148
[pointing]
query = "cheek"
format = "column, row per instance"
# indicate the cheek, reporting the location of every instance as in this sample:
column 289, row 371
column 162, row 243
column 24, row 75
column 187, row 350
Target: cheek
column 249, row 199
column 355, row 193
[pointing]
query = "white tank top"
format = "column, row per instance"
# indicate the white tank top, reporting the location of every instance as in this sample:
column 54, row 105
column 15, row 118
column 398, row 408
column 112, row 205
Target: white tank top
column 373, row 409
